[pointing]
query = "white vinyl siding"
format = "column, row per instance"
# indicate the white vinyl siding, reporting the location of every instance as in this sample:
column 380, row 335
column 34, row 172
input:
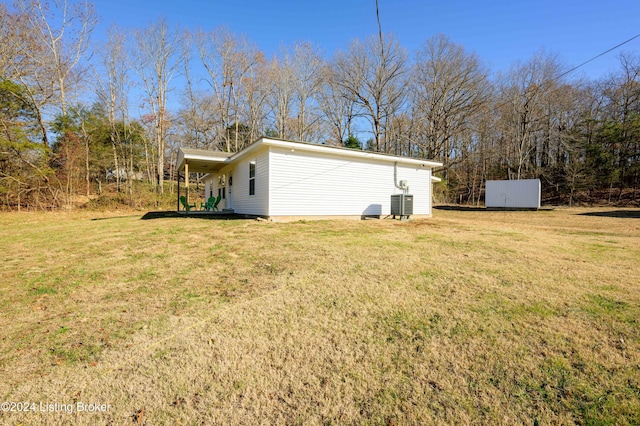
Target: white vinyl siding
column 244, row 203
column 304, row 183
column 222, row 189
column 209, row 187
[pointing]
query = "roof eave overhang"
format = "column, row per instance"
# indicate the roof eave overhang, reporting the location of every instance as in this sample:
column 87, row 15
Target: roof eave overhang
column 200, row 163
column 210, row 164
column 346, row 152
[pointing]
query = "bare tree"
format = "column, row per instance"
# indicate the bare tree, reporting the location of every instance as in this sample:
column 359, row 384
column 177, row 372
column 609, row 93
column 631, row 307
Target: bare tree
column 372, row 74
column 43, row 52
column 63, row 37
column 338, row 107
column 14, row 42
column 622, row 97
column 307, row 64
column 522, row 109
column 450, row 86
column 255, row 98
column 157, row 62
column 113, row 84
column 197, row 117
column 229, row 60
column 21, row 64
column 281, row 89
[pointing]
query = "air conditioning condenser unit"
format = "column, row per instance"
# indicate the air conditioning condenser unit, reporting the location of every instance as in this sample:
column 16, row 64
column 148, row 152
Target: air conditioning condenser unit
column 401, row 205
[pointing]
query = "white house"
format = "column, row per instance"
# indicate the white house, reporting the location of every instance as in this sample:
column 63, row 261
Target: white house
column 284, row 180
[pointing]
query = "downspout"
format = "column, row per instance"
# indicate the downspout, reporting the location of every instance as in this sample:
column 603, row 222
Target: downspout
column 404, row 188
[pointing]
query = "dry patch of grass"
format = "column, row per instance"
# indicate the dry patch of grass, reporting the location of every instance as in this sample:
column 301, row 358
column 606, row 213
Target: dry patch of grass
column 470, row 317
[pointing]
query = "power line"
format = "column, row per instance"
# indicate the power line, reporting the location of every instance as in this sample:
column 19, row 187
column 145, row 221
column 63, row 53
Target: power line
column 378, row 16
column 597, row 56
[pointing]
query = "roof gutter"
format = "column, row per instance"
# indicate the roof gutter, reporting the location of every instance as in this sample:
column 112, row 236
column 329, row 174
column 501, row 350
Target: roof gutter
column 345, row 152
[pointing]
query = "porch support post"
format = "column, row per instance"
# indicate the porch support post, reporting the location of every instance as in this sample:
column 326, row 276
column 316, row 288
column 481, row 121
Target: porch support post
column 186, row 182
column 178, row 199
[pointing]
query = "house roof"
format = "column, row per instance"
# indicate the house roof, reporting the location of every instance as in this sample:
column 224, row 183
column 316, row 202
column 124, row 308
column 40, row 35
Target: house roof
column 204, row 161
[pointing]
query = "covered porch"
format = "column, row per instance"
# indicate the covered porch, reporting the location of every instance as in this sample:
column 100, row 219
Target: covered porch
column 196, row 161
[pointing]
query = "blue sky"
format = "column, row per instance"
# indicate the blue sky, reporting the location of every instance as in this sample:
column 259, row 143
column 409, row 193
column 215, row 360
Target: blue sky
column 500, row 32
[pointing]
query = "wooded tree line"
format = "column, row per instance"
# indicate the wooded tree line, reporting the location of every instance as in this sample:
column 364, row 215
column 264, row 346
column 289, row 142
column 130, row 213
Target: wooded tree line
column 77, row 116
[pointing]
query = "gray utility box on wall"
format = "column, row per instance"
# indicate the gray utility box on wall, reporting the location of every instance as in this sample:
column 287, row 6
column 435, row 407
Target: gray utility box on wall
column 401, row 205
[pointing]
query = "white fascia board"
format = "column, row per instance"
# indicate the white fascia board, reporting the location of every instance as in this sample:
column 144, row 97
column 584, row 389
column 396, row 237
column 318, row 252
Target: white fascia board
column 182, row 158
column 257, row 144
column 180, row 162
column 303, row 146
column 347, row 153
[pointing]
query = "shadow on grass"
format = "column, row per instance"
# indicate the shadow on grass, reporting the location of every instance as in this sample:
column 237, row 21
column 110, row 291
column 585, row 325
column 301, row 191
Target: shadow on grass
column 114, row 217
column 194, row 215
column 624, row 214
column 491, row 209
column 461, row 208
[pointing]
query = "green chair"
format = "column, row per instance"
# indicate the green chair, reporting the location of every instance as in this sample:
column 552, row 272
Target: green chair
column 211, row 204
column 214, row 207
column 207, row 205
column 186, row 206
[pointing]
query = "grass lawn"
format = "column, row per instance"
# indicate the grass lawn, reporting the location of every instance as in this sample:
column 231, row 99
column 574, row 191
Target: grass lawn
column 469, row 317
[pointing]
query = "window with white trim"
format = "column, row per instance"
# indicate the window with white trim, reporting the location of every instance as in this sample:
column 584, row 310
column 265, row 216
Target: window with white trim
column 252, row 177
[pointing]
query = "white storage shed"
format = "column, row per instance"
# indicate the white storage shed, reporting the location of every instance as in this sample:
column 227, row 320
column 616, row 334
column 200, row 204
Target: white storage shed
column 513, row 194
